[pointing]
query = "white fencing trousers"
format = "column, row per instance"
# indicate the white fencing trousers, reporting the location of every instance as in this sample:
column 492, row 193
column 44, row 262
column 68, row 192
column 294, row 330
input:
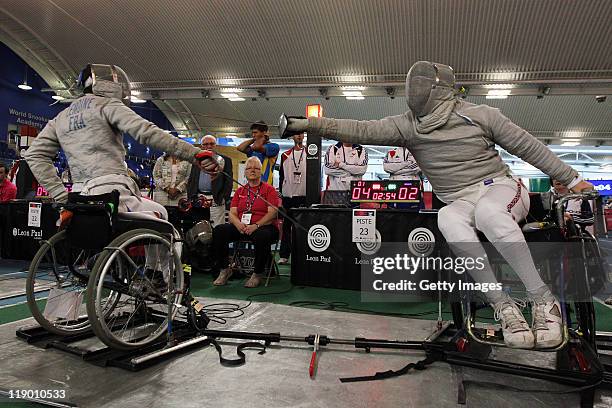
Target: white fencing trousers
column 131, row 206
column 494, row 209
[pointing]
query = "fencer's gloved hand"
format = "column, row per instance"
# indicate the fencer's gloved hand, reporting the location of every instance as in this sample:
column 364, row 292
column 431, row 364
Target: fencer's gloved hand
column 64, row 219
column 583, row 187
column 209, row 161
column 291, row 125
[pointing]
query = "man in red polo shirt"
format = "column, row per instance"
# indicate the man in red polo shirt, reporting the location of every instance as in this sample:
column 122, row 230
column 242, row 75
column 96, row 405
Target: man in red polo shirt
column 8, row 191
column 252, row 216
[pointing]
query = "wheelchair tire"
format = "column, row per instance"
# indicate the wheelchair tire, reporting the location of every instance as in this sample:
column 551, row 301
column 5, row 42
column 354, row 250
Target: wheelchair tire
column 105, row 325
column 61, row 274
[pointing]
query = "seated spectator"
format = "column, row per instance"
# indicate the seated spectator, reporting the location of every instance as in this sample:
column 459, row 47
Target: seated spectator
column 261, row 147
column 171, row 176
column 252, row 216
column 8, row 191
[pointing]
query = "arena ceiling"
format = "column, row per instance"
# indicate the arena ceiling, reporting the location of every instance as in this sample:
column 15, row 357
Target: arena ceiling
column 554, row 56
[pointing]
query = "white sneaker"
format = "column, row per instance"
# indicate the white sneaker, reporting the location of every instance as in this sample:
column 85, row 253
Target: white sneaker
column 547, row 323
column 283, row 261
column 517, row 333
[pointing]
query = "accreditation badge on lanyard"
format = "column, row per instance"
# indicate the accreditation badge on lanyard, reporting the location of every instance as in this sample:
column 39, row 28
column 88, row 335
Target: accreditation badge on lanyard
column 297, row 174
column 246, row 215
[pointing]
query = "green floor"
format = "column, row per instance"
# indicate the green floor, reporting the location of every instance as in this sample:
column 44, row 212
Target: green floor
column 281, row 291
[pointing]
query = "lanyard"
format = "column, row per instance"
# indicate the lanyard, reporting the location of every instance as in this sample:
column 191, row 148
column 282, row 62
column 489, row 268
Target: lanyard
column 297, row 166
column 249, row 202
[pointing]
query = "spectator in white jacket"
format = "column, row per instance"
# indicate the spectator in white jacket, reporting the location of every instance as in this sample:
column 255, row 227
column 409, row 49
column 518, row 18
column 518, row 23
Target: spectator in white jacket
column 344, row 162
column 400, row 165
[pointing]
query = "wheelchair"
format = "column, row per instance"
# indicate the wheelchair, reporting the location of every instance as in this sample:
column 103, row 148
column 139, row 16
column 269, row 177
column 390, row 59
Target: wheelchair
column 107, row 272
column 583, row 270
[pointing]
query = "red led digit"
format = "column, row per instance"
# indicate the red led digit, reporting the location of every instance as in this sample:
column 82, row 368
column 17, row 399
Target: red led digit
column 403, row 192
column 414, row 191
column 355, row 195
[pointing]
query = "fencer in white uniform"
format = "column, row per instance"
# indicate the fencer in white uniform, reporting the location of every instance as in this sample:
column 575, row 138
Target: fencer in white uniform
column 90, row 132
column 453, row 141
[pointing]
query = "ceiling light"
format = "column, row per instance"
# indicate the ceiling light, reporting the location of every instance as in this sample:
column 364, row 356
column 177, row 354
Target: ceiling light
column 355, row 98
column 231, row 90
column 135, row 92
column 230, row 95
column 352, row 93
column 134, row 99
column 354, row 88
column 498, row 93
column 235, row 99
column 570, row 143
column 57, row 97
column 24, row 85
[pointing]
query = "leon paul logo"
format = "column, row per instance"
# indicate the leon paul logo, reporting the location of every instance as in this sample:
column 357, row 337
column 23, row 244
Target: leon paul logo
column 421, row 242
column 370, row 248
column 319, row 238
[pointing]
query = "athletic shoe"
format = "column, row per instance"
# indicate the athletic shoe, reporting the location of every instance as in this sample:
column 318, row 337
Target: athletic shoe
column 517, row 333
column 547, row 324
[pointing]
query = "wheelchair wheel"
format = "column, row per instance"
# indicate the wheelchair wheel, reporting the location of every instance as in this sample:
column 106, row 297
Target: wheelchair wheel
column 137, row 265
column 58, row 274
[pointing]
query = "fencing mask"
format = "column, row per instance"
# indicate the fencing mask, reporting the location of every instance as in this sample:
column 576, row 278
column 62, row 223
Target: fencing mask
column 428, row 84
column 105, row 80
column 199, row 237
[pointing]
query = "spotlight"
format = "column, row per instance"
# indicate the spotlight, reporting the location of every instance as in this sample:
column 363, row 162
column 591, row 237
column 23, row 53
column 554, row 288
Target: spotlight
column 391, row 92
column 601, row 98
column 262, row 94
column 543, row 90
column 205, row 94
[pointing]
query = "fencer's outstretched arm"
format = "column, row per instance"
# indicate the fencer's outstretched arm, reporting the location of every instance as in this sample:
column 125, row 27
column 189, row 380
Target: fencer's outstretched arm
column 382, row 132
column 522, row 144
column 40, row 159
column 145, row 132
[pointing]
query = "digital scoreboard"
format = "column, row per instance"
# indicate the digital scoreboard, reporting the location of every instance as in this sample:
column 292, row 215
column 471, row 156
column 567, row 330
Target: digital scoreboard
column 386, row 191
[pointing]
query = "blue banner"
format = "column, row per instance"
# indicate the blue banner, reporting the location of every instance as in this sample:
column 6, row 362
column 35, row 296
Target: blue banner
column 603, row 186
